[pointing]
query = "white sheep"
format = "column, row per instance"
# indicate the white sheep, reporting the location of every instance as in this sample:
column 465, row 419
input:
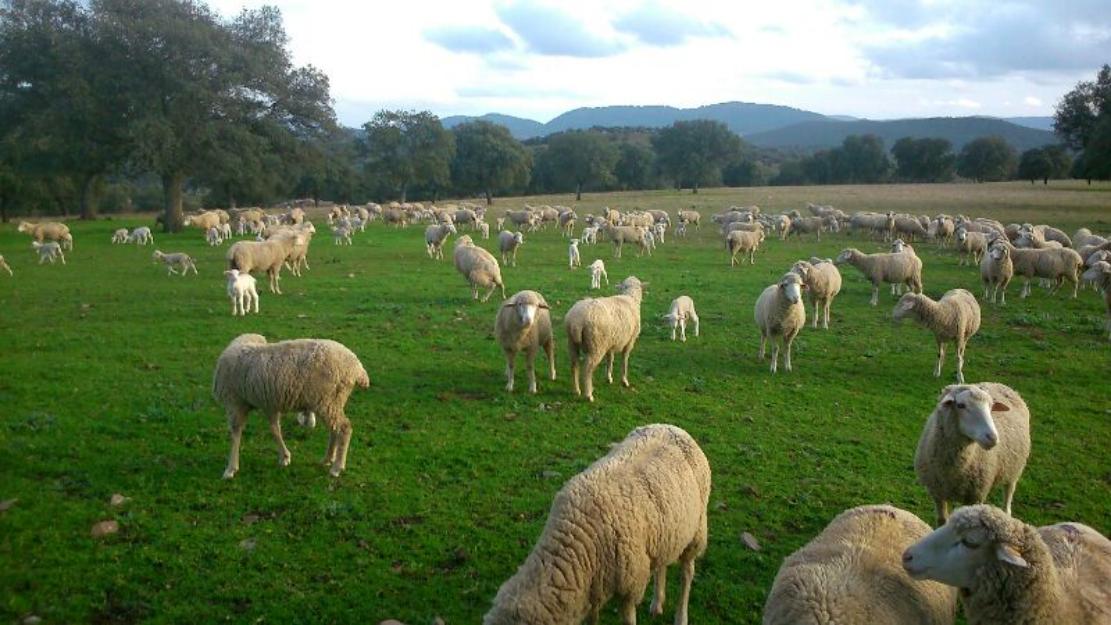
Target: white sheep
column 313, row 376
column 658, row 231
column 597, row 273
column 478, row 266
column 823, row 280
column 972, row 244
column 1100, row 274
column 600, row 328
column 681, row 229
column 620, row 235
column 484, row 229
column 46, row 231
column 5, row 267
column 739, row 241
column 241, row 292
column 573, row 257
column 174, row 262
column 434, row 237
column 508, row 242
column 613, row 528
column 119, row 236
column 852, row 573
column 141, row 236
column 50, row 250
column 341, row 235
column 779, row 312
column 901, row 268
column 953, row 318
column 1012, row 573
column 1055, row 264
column 269, row 256
column 212, row 236
column 590, row 235
column 524, row 323
column 996, row 271
column 682, row 310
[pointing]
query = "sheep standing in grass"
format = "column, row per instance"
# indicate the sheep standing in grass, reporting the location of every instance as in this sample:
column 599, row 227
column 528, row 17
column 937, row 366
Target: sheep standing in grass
column 597, row 273
column 174, row 262
column 779, row 312
column 851, row 574
column 1100, row 274
column 823, row 280
column 620, row 235
column 600, row 328
column 48, row 251
column 573, row 257
column 1055, row 264
column 977, row 438
column 269, row 256
column 741, row 241
column 1011, row 573
column 342, row 235
column 306, row 375
column 242, row 292
column 524, row 323
column 484, row 229
column 996, row 271
column 212, row 236
column 953, row 318
column 682, row 310
column 611, row 529
column 141, row 236
column 508, row 242
column 898, row 268
column 972, row 245
column 298, row 256
column 119, row 236
column 5, row 267
column 434, row 237
column 45, row 231
column 478, row 266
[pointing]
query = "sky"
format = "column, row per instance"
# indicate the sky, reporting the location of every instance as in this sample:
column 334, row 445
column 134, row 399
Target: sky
column 879, row 59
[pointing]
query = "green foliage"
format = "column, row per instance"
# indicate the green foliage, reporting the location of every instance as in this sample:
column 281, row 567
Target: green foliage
column 1051, row 161
column 1081, row 109
column 1097, row 155
column 986, row 159
column 693, row 153
column 580, row 158
column 407, row 148
column 636, row 166
column 488, row 159
column 923, row 160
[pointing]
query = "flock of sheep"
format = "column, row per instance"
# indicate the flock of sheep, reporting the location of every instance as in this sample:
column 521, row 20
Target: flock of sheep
column 643, row 506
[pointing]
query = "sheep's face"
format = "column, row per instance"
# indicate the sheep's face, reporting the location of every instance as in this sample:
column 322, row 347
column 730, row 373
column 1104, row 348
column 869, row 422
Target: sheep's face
column 802, row 268
column 519, row 238
column 791, row 286
column 232, row 275
column 898, row 246
column 1098, row 273
column 527, row 310
column 962, row 235
column 955, row 553
column 998, row 253
column 972, row 408
column 844, row 257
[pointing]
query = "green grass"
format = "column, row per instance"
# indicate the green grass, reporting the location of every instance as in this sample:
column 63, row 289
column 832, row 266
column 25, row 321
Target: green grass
column 105, row 388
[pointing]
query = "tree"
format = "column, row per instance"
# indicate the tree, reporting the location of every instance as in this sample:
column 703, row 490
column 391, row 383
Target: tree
column 581, row 158
column 408, row 148
column 1034, row 164
column 743, row 172
column 1081, row 109
column 693, row 153
column 488, row 159
column 923, row 160
column 861, row 159
column 636, row 166
column 1097, row 152
column 986, row 159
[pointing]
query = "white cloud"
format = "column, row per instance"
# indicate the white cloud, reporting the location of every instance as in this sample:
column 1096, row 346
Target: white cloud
column 1032, row 101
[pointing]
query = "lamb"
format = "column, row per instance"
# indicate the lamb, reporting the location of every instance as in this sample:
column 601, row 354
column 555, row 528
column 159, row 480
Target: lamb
column 823, row 280
column 779, row 312
column 682, row 310
column 573, row 258
column 174, row 262
column 1100, row 274
column 45, row 231
column 1011, row 573
column 977, row 438
column 484, row 229
column 48, row 251
column 597, row 328
column 140, row 236
column 212, row 236
column 972, row 244
column 434, row 237
column 852, row 573
column 342, row 235
column 597, row 272
column 740, row 241
column 5, row 267
column 590, row 235
column 269, row 256
column 567, row 223
column 611, row 528
column 996, row 271
column 242, row 292
column 1056, row 264
column 953, row 318
column 119, row 236
column 508, row 242
column 478, row 266
column 658, row 231
column 298, row 255
column 900, row 268
column 314, row 376
column 681, row 229
column 524, row 323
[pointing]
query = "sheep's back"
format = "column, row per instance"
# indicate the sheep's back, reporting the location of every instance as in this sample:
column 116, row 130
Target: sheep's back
column 604, row 323
column 1083, row 560
column 290, row 375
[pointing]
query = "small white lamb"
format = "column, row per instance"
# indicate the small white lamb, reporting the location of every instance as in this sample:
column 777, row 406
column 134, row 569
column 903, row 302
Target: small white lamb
column 597, row 272
column 175, row 261
column 4, row 266
column 120, row 236
column 573, row 259
column 48, row 251
column 242, row 292
column 140, row 236
column 682, row 310
column 212, row 236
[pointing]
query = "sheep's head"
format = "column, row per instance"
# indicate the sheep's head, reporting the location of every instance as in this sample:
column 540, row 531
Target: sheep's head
column 519, row 238
column 792, row 286
column 464, row 241
column 1100, row 273
column 527, row 306
column 802, row 268
column 157, row 255
column 632, row 286
column 974, row 537
column 962, row 234
column 907, row 306
column 898, row 246
column 971, row 407
column 999, row 252
column 232, row 274
column 846, row 255
column 575, row 243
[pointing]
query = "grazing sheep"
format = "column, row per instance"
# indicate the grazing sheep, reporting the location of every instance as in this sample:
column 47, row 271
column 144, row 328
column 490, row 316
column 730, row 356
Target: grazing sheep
column 996, row 271
column 852, row 573
column 524, row 323
column 212, row 236
column 140, row 236
column 174, row 262
column 620, row 235
column 478, row 266
column 977, row 438
column 45, row 231
column 484, row 229
column 434, row 237
column 242, row 292
column 573, row 258
column 740, row 241
column 1011, row 573
column 48, row 251
column 597, row 328
column 5, row 267
column 953, row 318
column 203, row 220
column 508, row 242
column 691, row 217
column 119, row 236
column 1055, row 264
column 1100, row 274
column 823, row 280
column 269, row 256
column 611, row 528
column 682, row 310
column 779, row 311
column 807, row 225
column 901, row 268
column 314, row 376
column 298, row 255
column 597, row 273
column 909, row 227
column 972, row 244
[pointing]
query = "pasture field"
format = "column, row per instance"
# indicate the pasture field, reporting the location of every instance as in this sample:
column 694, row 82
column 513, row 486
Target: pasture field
column 105, row 388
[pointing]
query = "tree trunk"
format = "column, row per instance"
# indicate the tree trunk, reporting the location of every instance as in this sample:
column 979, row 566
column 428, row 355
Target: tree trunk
column 3, row 209
column 88, row 205
column 172, row 190
column 490, row 196
column 404, row 192
column 1045, row 181
column 694, row 188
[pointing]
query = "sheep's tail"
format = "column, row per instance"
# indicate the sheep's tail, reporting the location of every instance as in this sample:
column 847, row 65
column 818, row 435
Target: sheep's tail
column 363, row 380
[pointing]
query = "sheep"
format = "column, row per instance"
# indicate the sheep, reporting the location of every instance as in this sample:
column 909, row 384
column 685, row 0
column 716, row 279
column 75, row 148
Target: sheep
column 907, row 226
column 314, row 376
column 140, row 236
column 682, row 310
column 681, row 229
column 567, row 221
column 242, row 292
column 1048, row 233
column 508, row 242
column 823, row 280
column 484, row 229
column 597, row 328
column 45, row 231
column 977, row 438
column 48, row 251
column 808, row 225
column 1100, row 274
column 620, row 235
column 622, row 521
column 1035, row 239
column 341, row 235
column 573, row 257
column 524, row 323
column 597, row 273
column 589, row 235
column 1012, row 573
column 779, row 312
column 119, row 236
column 174, row 262
column 953, row 318
column 1084, row 237
column 212, row 236
column 658, row 231
column 434, row 237
column 269, row 256
column 5, row 267
column 298, row 255
column 941, row 228
column 203, row 220
column 740, row 241
column 996, row 271
column 971, row 244
column 901, row 268
column 852, row 573
column 691, row 217
column 1056, row 264
column 478, row 266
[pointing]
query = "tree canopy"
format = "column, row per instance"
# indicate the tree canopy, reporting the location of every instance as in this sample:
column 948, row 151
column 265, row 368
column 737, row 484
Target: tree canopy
column 923, row 160
column 693, row 153
column 581, row 158
column 986, row 159
column 488, row 159
column 406, row 148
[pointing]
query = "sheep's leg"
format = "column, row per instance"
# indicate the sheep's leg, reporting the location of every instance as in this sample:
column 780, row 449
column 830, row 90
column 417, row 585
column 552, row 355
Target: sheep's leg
column 940, row 358
column 592, row 362
column 510, row 359
column 474, row 291
column 942, row 509
column 673, row 332
column 1002, row 289
column 235, row 305
column 763, row 344
column 686, row 571
column 1009, row 495
column 960, row 361
column 875, row 293
column 330, row 452
column 694, row 317
column 530, row 356
column 343, row 437
column 629, row 610
column 682, row 330
column 1025, row 289
column 775, row 355
column 609, row 366
column 660, row 588
column 625, row 366
column 815, row 323
column 549, row 349
column 237, row 419
column 573, row 354
column 1075, row 287
column 825, row 313
column 787, row 356
column 491, row 292
column 276, row 431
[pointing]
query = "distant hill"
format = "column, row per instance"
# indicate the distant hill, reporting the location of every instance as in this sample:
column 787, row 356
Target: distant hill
column 958, row 130
column 1041, row 123
column 519, row 127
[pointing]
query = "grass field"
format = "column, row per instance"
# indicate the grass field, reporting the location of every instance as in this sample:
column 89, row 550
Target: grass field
column 105, row 388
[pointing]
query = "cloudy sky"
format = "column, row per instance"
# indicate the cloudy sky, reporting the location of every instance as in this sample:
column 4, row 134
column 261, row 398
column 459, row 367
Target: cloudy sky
column 867, row 58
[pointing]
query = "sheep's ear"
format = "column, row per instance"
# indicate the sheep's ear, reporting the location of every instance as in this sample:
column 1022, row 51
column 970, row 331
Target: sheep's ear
column 509, row 304
column 1000, row 407
column 1010, row 555
column 946, row 398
